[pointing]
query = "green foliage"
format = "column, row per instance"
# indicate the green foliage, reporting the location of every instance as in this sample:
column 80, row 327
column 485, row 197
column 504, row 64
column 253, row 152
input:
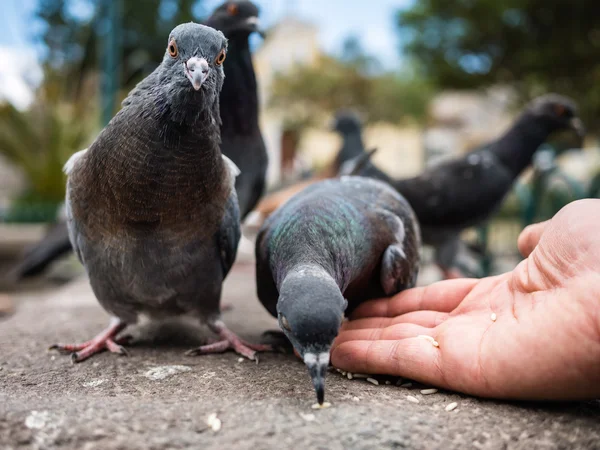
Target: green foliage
column 352, row 80
column 535, row 46
column 307, row 92
column 73, row 39
column 40, row 141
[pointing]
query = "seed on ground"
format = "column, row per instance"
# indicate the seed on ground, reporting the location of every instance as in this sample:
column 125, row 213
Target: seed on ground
column 428, row 391
column 412, row 399
column 406, row 385
column 355, row 399
column 451, row 406
column 373, row 381
column 307, row 417
column 214, row 422
column 388, row 382
column 493, row 317
column 399, row 382
column 360, row 375
column 349, row 375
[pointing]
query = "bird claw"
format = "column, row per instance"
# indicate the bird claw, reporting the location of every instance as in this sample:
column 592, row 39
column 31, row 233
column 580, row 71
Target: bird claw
column 104, row 341
column 240, row 347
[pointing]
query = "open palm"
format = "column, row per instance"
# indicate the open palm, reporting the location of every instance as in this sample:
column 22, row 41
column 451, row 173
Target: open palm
column 543, row 344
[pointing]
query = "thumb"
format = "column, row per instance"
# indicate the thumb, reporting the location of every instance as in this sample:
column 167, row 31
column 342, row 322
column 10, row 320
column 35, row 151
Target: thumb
column 530, row 236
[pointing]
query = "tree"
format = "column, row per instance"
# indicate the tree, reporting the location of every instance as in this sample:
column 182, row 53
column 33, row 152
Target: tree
column 39, row 142
column 535, row 46
column 75, row 27
column 352, row 80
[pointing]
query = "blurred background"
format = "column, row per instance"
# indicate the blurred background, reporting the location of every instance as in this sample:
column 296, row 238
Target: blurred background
column 431, row 79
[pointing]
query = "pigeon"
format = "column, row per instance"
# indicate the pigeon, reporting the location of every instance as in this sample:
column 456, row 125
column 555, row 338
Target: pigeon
column 466, row 191
column 348, row 124
column 242, row 140
column 332, row 246
column 151, row 208
column 54, row 245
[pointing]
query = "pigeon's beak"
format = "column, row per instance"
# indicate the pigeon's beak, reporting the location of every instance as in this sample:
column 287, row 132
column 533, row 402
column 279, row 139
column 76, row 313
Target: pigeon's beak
column 317, row 367
column 577, row 126
column 196, row 69
column 253, row 24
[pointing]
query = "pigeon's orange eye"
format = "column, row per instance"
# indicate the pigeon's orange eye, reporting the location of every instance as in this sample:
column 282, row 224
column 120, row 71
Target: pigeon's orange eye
column 560, row 110
column 172, row 49
column 220, row 58
column 232, row 9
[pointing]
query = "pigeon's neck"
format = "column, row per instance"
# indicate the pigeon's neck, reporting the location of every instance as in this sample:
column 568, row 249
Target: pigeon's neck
column 516, row 147
column 313, row 279
column 305, row 272
column 239, row 97
column 352, row 146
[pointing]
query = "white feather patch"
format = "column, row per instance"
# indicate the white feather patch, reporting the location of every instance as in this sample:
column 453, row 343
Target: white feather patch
column 233, row 169
column 70, row 164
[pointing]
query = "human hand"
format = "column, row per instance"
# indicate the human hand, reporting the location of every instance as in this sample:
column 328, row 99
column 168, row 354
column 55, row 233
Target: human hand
column 544, row 343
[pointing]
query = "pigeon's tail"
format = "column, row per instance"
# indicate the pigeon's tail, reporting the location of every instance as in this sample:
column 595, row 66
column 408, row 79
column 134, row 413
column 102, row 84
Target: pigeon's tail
column 356, row 165
column 54, row 245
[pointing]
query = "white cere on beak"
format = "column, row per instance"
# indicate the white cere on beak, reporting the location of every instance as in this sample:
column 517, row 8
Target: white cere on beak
column 324, row 358
column 310, row 359
column 196, row 69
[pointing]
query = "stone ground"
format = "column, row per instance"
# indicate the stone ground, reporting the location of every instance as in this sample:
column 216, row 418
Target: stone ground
column 159, row 398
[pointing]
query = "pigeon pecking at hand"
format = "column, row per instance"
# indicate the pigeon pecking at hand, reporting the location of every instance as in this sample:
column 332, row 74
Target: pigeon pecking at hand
column 151, row 208
column 241, row 138
column 329, row 248
column 466, row 191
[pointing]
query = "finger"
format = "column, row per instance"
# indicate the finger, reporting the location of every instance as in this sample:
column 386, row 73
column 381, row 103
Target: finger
column 370, row 322
column 530, row 236
column 428, row 319
column 413, row 358
column 442, row 296
column 394, row 332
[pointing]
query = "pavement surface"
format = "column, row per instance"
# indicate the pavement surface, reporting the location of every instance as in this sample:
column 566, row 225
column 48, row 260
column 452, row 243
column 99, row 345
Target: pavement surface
column 158, row 398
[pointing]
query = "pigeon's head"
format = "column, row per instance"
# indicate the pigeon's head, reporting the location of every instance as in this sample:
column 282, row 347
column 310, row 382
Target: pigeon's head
column 310, row 311
column 193, row 62
column 236, row 18
column 346, row 122
column 557, row 112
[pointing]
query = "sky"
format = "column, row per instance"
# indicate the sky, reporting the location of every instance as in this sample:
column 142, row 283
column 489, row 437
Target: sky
column 371, row 21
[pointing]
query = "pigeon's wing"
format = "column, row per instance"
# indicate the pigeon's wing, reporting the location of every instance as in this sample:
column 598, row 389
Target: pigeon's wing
column 457, row 193
column 73, row 160
column 265, row 283
column 234, row 170
column 229, row 233
column 75, row 236
column 400, row 261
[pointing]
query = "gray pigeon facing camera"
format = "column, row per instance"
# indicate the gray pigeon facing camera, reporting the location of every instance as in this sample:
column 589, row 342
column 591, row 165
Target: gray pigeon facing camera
column 152, row 213
column 330, row 247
